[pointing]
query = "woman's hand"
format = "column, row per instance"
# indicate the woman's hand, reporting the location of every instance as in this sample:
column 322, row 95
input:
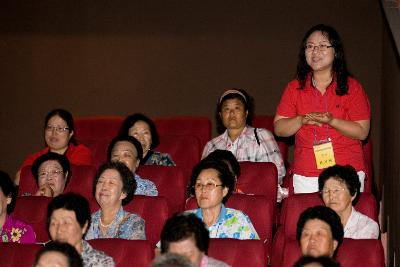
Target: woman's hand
column 45, row 191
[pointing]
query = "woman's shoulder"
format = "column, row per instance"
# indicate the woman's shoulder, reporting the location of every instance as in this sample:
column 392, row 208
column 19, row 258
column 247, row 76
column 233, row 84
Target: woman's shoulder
column 32, row 157
column 132, row 217
column 159, row 158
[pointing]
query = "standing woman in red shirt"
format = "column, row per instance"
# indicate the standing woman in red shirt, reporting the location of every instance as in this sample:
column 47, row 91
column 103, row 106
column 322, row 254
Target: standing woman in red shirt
column 325, row 108
column 59, row 133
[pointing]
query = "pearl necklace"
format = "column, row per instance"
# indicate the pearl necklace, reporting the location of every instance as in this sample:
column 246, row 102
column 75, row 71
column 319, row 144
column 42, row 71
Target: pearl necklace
column 105, row 225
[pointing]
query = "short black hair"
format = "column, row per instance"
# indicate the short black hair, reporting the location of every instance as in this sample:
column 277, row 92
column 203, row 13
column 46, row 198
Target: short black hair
column 247, row 101
column 224, row 174
column 73, row 257
column 183, row 226
column 171, row 260
column 125, row 138
column 324, row 214
column 127, row 177
column 346, row 174
column 132, row 119
column 66, row 116
column 228, row 157
column 9, row 189
column 324, row 261
column 61, row 159
column 72, row 202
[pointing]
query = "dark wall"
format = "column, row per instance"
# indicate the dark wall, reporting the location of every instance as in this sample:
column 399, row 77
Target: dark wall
column 390, row 145
column 163, row 57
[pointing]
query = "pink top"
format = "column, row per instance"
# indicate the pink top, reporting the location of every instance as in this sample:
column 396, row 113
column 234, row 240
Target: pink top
column 17, row 231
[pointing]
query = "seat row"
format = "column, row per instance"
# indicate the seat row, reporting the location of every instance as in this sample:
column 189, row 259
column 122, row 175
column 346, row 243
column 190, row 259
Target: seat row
column 256, row 178
column 140, row 253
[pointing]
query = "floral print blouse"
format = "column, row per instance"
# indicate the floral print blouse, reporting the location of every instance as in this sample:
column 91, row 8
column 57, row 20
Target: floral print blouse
column 157, row 158
column 125, row 225
column 17, row 231
column 231, row 223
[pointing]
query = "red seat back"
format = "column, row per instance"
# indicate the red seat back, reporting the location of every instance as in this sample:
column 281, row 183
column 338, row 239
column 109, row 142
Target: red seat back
column 170, row 182
column 153, row 210
column 352, row 252
column 97, row 127
column 238, row 253
column 18, row 255
column 33, row 211
column 267, row 122
column 200, row 127
column 259, row 209
column 296, row 204
column 185, row 150
column 125, row 253
column 258, row 178
column 80, row 181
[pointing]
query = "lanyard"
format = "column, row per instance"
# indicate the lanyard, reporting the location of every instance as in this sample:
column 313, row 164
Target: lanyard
column 315, row 97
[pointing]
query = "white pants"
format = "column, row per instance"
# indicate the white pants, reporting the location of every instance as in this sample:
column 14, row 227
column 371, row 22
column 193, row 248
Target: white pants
column 306, row 184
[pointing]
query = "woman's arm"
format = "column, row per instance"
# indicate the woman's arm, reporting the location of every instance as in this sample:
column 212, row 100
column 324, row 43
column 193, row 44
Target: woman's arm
column 285, row 126
column 353, row 129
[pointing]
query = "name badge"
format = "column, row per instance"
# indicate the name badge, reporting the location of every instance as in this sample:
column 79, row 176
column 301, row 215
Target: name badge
column 324, row 155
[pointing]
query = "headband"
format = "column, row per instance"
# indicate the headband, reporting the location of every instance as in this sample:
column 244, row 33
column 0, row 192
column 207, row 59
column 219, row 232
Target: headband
column 232, row 91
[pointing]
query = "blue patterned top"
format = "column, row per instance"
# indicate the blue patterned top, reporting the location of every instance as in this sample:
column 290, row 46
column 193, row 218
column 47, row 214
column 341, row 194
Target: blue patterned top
column 125, row 225
column 157, row 158
column 145, row 187
column 231, row 223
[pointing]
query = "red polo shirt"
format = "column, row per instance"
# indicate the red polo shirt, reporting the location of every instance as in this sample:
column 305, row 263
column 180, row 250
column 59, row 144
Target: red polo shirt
column 353, row 106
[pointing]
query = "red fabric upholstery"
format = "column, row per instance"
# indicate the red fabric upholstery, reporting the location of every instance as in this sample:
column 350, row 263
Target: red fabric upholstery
column 18, row 255
column 97, row 127
column 170, row 182
column 267, row 122
column 153, row 210
column 361, row 252
column 259, row 209
column 296, row 204
column 352, row 252
column 80, row 181
column 185, row 150
column 125, row 253
column 199, row 127
column 238, row 253
column 258, row 178
column 33, row 211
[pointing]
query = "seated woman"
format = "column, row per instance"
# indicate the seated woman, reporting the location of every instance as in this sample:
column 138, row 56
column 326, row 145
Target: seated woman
column 234, row 116
column 212, row 184
column 128, row 150
column 59, row 133
column 144, row 130
column 68, row 218
column 58, row 254
column 113, row 187
column 52, row 173
column 227, row 157
column 340, row 191
column 12, row 230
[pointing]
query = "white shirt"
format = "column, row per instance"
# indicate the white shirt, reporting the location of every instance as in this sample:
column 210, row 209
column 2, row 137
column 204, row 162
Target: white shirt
column 360, row 226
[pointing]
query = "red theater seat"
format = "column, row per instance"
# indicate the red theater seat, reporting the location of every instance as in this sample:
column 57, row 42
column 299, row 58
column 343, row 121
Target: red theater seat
column 296, row 204
column 185, row 150
column 33, row 211
column 200, row 127
column 170, row 182
column 238, row 253
column 125, row 253
column 259, row 209
column 258, row 178
column 352, row 252
column 80, row 181
column 18, row 255
column 153, row 210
